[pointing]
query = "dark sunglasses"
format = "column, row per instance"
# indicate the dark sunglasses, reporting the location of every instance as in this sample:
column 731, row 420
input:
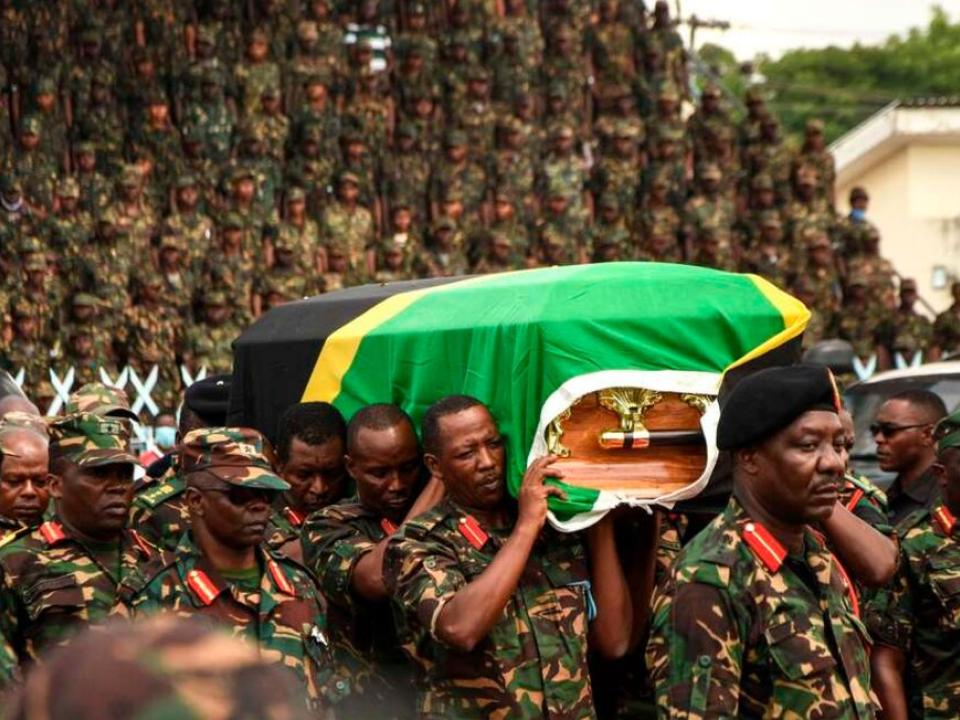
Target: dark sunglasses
column 890, row 429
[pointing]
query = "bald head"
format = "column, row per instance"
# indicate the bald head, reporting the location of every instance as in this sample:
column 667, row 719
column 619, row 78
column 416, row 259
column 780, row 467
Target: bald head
column 17, row 403
column 23, row 475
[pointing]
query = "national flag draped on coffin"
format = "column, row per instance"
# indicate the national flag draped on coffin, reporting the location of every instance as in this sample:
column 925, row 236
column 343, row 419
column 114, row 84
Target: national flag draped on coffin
column 530, row 344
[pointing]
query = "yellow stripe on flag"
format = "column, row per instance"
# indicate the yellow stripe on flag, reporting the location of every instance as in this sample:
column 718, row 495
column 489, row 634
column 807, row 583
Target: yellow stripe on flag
column 795, row 319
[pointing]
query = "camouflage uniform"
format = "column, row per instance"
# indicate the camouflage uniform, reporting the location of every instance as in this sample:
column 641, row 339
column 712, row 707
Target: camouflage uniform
column 922, row 616
column 334, row 541
column 946, row 330
column 284, row 613
column 159, row 510
column 533, row 663
column 739, row 632
column 51, row 583
column 353, row 229
column 911, row 333
column 210, row 347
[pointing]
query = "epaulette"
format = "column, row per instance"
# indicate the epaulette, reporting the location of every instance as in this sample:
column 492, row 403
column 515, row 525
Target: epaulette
column 867, row 488
column 279, row 577
column 52, row 532
column 945, row 520
column 15, row 535
column 764, row 546
column 161, row 493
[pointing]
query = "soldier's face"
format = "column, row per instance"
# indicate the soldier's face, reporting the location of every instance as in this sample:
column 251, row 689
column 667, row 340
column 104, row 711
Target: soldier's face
column 906, row 447
column 609, row 214
column 46, row 101
column 711, row 185
column 24, row 490
column 87, row 161
column 257, row 50
column 29, row 140
column 316, row 473
column 470, row 460
column 386, row 466
column 94, row 501
column 402, row 220
column 766, row 198
column 232, row 516
column 501, row 251
column 270, row 104
column 796, row 474
column 623, row 146
column 217, row 314
column 68, row 204
column 503, row 210
column 285, row 257
column 338, row 262
column 423, row 107
column 557, row 204
column 457, row 153
column 25, row 327
column 244, row 189
column 158, row 112
column 187, row 197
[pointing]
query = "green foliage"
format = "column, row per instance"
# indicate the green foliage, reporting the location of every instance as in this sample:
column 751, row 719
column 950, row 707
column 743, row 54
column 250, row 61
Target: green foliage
column 844, row 86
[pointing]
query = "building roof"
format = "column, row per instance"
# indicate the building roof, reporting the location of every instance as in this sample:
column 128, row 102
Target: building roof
column 930, row 119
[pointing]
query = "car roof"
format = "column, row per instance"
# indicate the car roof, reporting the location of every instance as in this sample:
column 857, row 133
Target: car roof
column 949, row 367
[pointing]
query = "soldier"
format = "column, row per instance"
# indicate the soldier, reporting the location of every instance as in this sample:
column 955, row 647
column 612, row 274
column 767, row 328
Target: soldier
column 861, row 322
column 26, row 351
column 255, row 72
column 853, row 228
column 815, row 154
column 619, row 169
column 95, row 189
column 456, row 168
column 703, row 124
column 346, row 221
column 756, row 618
column 24, row 472
column 209, row 343
column 406, row 172
column 311, row 438
column 230, row 268
column 768, row 257
column 946, row 327
column 211, row 116
column 820, row 271
column 468, row 575
column 394, row 262
column 152, row 334
column 73, row 570
column 444, row 256
column 345, row 545
column 910, row 331
column 501, row 255
column 159, row 509
column 877, row 271
column 188, row 221
column 222, row 570
column 302, row 230
column 274, row 125
column 69, row 228
column 918, row 629
column 36, row 172
column 709, row 209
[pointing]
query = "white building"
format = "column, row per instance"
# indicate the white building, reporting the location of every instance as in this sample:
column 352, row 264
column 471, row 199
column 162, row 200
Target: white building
column 907, row 157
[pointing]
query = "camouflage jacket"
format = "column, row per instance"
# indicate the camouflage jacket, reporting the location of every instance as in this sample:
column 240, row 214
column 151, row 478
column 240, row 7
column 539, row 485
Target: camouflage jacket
column 159, row 511
column 922, row 617
column 283, row 533
column 740, row 628
column 533, row 664
column 334, row 541
column 52, row 586
column 946, row 330
column 286, row 615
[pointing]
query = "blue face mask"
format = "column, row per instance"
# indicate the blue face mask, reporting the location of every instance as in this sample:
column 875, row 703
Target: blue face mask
column 858, row 214
column 165, row 437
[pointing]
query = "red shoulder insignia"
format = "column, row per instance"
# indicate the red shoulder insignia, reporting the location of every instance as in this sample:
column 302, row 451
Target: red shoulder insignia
column 765, row 546
column 945, row 520
column 141, row 543
column 388, row 526
column 280, row 578
column 472, row 531
column 295, row 518
column 52, row 532
column 202, row 586
column 854, row 499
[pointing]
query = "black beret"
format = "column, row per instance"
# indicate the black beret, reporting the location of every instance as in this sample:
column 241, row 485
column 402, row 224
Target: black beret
column 768, row 400
column 209, row 398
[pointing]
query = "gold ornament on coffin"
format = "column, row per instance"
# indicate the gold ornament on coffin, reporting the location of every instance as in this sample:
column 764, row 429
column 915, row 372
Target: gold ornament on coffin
column 656, row 446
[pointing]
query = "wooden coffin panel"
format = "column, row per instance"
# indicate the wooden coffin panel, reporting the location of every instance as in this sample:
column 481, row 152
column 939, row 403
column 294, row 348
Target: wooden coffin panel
column 647, row 472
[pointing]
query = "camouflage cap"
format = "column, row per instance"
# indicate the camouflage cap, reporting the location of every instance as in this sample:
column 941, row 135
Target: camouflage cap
column 186, row 180
column 206, row 35
column 455, row 138
column 348, row 177
column 405, row 129
column 286, row 239
column 131, row 176
column 609, row 201
column 237, row 456
column 84, row 299
column 857, row 278
column 104, row 76
column 99, row 399
column 814, row 126
column 68, row 188
column 947, row 432
column 762, row 182
column 215, row 298
column 90, row 440
column 770, row 219
column 296, row 193
column 258, row 35
column 711, row 90
column 46, row 86
column 307, row 30
column 30, row 125
column 709, row 171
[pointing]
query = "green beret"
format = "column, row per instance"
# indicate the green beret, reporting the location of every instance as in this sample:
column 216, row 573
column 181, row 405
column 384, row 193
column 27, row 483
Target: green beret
column 765, row 402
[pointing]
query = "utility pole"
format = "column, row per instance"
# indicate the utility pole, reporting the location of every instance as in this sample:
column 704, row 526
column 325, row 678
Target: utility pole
column 696, row 23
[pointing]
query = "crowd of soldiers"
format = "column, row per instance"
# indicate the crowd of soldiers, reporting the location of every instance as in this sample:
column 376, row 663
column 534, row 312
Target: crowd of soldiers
column 171, row 170
column 373, row 571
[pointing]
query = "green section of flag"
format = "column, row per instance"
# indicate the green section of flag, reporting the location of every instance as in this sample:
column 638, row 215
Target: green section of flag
column 512, row 340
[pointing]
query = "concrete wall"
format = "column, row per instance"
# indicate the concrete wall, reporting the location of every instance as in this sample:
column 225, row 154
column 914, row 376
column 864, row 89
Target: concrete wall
column 914, row 201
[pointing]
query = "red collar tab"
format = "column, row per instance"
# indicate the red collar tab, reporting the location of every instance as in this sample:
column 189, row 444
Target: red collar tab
column 280, row 578
column 854, row 499
column 472, row 531
column 52, row 532
column 295, row 518
column 202, row 586
column 388, row 526
column 141, row 543
column 945, row 520
column 764, row 545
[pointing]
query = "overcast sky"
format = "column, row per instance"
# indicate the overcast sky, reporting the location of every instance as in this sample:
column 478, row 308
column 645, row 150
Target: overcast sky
column 772, row 26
